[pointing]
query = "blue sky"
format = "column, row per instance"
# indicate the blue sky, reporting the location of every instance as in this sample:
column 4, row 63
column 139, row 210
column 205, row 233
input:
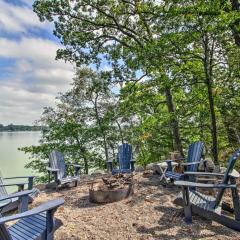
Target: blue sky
column 30, row 78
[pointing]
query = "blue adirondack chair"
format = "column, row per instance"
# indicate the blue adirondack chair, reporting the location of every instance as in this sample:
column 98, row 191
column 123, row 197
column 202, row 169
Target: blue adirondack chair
column 19, row 200
column 194, row 158
column 125, row 160
column 13, row 201
column 35, row 224
column 208, row 206
column 58, row 167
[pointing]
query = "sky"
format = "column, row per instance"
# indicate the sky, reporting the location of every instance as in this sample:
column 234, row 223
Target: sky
column 30, row 77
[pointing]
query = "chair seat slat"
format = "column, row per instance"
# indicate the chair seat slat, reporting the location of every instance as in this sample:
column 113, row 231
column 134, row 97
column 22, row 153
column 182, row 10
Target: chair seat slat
column 16, row 236
column 29, row 228
column 24, row 231
column 34, row 224
column 32, row 230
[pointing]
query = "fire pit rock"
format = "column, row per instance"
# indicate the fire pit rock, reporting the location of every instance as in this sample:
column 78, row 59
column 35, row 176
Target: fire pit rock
column 111, row 189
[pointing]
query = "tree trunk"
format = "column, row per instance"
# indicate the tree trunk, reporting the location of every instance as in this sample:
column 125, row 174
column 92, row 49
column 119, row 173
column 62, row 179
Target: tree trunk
column 174, row 122
column 213, row 122
column 207, row 62
column 105, row 147
column 236, row 25
column 101, row 128
column 120, row 130
column 86, row 167
column 85, row 160
column 201, row 126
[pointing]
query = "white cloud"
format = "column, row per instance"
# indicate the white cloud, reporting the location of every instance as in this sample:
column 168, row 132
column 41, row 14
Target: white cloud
column 39, row 50
column 30, row 77
column 23, row 66
column 18, row 18
column 34, row 81
column 18, row 105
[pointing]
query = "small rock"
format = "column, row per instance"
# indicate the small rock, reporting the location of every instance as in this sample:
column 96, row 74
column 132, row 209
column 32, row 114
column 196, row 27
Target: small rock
column 98, row 173
column 210, row 167
column 149, row 199
column 139, row 169
column 85, row 177
column 150, row 166
column 40, row 187
column 156, row 169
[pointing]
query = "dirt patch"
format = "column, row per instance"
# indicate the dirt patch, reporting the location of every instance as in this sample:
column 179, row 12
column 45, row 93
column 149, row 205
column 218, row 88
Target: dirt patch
column 148, row 215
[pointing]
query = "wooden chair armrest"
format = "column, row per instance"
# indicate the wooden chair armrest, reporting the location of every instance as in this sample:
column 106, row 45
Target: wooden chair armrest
column 189, row 163
column 53, row 204
column 74, row 165
column 203, row 185
column 13, row 184
column 16, row 195
column 173, row 160
column 7, row 178
column 207, row 180
column 204, row 174
column 30, row 180
column 52, row 169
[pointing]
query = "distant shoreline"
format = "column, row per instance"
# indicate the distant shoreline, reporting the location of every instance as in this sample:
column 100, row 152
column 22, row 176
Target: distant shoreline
column 22, row 128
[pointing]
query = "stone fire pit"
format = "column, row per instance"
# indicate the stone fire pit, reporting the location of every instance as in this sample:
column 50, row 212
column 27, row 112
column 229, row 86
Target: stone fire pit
column 112, row 189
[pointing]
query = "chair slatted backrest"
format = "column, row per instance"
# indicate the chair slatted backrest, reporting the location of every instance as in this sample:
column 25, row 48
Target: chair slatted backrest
column 124, row 156
column 226, row 178
column 4, row 233
column 3, row 191
column 57, row 161
column 195, row 153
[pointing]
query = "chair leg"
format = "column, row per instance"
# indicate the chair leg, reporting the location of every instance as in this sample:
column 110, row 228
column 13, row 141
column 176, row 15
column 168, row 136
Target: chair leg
column 57, row 182
column 187, row 206
column 49, row 224
column 49, row 176
column 236, row 203
column 132, row 166
column 23, row 204
column 163, row 174
column 56, row 186
column 30, row 183
column 110, row 166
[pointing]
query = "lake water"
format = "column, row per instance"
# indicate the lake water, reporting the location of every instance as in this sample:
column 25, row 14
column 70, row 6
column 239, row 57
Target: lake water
column 12, row 161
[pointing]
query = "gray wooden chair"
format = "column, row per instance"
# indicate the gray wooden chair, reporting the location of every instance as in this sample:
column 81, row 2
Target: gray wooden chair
column 16, row 202
column 207, row 206
column 58, row 168
column 35, row 224
column 194, row 158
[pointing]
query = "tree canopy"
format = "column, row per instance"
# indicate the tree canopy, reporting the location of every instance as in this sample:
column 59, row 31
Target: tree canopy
column 164, row 74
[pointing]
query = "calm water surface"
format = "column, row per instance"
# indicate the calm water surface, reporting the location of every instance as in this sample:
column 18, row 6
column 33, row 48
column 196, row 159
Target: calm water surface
column 12, row 161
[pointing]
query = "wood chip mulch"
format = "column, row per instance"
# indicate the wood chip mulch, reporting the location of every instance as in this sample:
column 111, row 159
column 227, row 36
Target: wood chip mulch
column 148, row 214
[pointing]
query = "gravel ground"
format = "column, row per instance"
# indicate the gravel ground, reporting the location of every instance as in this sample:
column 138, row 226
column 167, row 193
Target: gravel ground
column 149, row 214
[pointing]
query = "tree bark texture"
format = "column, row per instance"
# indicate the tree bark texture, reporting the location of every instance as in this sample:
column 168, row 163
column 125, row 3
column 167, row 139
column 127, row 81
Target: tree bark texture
column 174, row 121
